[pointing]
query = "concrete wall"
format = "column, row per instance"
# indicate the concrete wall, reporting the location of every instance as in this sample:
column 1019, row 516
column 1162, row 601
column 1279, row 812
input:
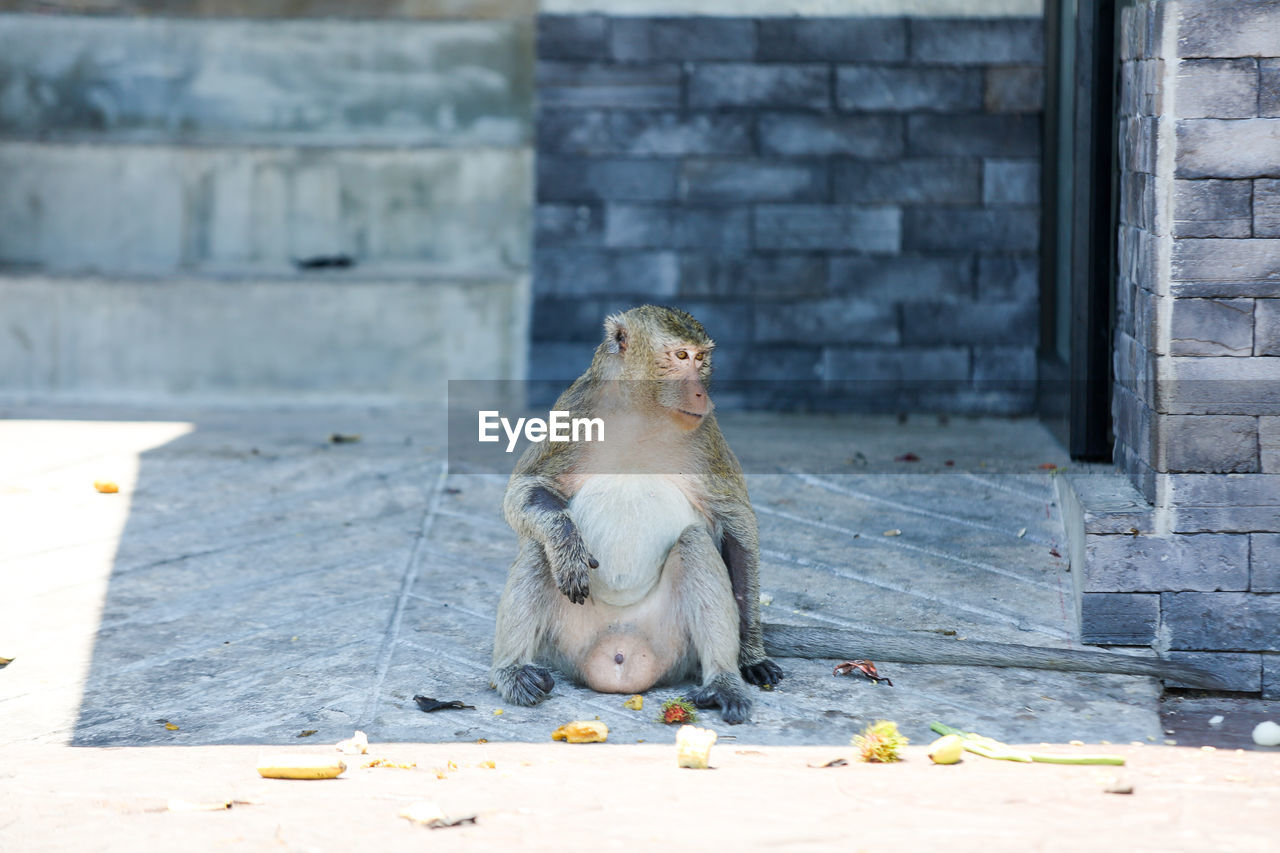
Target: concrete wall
column 162, row 178
column 1197, row 399
column 837, row 199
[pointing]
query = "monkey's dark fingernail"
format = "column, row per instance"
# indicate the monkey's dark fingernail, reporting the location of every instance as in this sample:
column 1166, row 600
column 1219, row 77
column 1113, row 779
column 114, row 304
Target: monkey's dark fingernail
column 593, row 562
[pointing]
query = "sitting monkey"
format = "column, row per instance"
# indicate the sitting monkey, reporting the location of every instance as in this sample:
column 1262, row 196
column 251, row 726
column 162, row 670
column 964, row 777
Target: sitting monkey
column 639, row 556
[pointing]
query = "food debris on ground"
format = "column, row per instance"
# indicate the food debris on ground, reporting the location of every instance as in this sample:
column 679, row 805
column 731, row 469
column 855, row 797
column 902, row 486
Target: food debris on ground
column 1216, row 720
column 835, row 762
column 582, row 731
column 990, row 748
column 866, row 667
column 344, row 437
column 1117, row 785
column 291, row 766
column 188, row 806
column 635, row 703
column 894, row 532
column 880, row 742
column 106, row 487
column 426, row 703
column 1022, row 531
column 430, row 815
column 387, row 762
column 678, row 711
column 906, row 457
column 1266, row 733
column 948, row 749
column 357, row 744
column 693, row 747
column 307, row 732
column 5, row 662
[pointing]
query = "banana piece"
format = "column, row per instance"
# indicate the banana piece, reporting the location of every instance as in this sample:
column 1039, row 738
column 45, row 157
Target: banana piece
column 693, row 747
column 947, row 750
column 582, row 731
column 293, row 766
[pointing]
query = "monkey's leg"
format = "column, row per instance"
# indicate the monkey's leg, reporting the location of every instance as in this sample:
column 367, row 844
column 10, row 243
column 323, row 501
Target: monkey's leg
column 709, row 615
column 524, row 613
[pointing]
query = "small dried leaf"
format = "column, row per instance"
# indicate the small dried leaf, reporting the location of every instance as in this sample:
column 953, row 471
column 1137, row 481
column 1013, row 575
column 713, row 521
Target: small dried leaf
column 307, row 732
column 906, row 457
column 1054, row 552
column 835, row 762
column 344, row 438
column 865, row 667
column 426, row 703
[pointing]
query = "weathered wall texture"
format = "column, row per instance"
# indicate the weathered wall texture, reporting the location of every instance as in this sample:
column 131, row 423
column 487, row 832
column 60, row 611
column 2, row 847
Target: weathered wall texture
column 1197, row 400
column 836, row 198
column 161, row 178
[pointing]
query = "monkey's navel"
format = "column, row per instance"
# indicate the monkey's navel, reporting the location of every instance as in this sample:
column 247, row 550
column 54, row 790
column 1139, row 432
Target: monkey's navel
column 618, row 658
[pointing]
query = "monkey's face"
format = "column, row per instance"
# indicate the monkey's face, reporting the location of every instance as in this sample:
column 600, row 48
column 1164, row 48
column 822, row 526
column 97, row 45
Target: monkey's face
column 684, row 369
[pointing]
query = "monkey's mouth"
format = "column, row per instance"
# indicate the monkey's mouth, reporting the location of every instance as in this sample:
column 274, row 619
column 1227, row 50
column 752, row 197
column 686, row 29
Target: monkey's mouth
column 690, row 414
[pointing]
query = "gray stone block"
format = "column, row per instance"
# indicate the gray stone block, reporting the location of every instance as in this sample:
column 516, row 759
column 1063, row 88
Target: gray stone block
column 1220, row 444
column 1139, row 137
column 558, row 362
column 574, row 320
column 976, row 41
column 338, row 337
column 929, row 324
column 1241, row 672
column 1241, row 490
column 562, row 131
column 1138, row 204
column 573, row 37
column 902, row 278
column 1006, row 277
column 1223, row 28
column 580, row 272
column 667, row 134
column 406, row 10
column 730, row 84
column 1269, row 444
column 1217, row 88
column 1227, row 621
column 1264, row 562
column 1240, row 519
column 770, row 276
column 898, row 368
column 774, row 376
column 734, row 181
column 1219, row 148
column 1010, row 182
column 1107, row 503
column 1269, row 88
column 233, row 81
column 973, row 135
column 1227, row 260
column 568, row 225
column 910, row 181
column 1142, row 88
column 835, row 321
column 1266, row 208
column 1271, row 676
column 1016, row 89
column 1211, row 327
column 1266, row 327
column 1005, row 228
column 1119, row 619
column 586, row 85
column 608, row 179
column 871, row 88
column 836, row 227
column 852, row 39
column 1000, row 366
column 1204, row 562
column 682, row 39
column 869, row 137
column 1227, row 386
column 649, row 226
column 1212, row 209
column 154, row 209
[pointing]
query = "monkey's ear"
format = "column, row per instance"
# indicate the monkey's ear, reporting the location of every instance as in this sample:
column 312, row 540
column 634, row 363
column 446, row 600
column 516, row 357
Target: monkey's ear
column 615, row 333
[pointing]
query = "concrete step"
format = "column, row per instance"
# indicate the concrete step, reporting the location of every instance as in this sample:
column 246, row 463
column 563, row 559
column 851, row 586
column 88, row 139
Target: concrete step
column 312, row 82
column 157, row 209
column 322, row 338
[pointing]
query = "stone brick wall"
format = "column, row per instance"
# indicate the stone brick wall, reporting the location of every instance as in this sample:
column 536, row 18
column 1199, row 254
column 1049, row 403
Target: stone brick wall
column 1197, row 394
column 837, row 199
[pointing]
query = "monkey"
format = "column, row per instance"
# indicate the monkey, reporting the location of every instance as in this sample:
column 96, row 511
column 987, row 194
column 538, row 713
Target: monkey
column 638, row 560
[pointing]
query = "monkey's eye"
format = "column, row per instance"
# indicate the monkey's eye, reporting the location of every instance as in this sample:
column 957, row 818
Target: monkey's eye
column 700, row 356
column 682, row 355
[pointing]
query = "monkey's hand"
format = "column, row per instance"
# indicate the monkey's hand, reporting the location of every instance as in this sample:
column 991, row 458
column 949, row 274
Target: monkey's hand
column 761, row 672
column 570, row 562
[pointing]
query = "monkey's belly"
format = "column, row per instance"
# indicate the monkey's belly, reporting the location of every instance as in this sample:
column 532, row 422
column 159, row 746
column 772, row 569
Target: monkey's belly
column 629, row 523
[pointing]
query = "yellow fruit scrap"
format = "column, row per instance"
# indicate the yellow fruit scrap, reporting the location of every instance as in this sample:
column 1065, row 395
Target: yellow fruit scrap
column 693, row 747
column 290, row 766
column 948, row 749
column 880, row 742
column 106, row 487
column 582, row 731
column 635, row 703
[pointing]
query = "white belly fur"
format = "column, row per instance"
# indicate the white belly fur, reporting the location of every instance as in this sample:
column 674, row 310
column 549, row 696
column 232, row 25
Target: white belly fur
column 629, row 523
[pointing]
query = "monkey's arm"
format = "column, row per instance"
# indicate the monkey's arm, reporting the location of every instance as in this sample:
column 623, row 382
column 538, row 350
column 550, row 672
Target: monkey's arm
column 536, row 508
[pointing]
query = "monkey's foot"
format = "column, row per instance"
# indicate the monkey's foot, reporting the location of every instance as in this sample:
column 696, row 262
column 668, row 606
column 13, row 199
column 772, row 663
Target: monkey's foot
column 762, row 672
column 724, row 693
column 569, row 564
column 523, row 684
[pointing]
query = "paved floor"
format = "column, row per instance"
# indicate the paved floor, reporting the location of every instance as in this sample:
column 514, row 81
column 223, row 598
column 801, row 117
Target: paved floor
column 253, row 580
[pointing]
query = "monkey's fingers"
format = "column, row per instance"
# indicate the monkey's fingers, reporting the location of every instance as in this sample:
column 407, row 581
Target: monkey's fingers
column 734, row 705
column 524, row 684
column 762, row 672
column 575, row 585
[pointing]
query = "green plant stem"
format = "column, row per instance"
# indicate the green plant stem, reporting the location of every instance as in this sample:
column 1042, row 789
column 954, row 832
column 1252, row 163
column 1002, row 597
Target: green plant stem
column 988, row 748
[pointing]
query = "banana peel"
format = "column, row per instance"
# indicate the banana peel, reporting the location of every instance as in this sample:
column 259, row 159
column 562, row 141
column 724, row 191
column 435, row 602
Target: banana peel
column 991, row 748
